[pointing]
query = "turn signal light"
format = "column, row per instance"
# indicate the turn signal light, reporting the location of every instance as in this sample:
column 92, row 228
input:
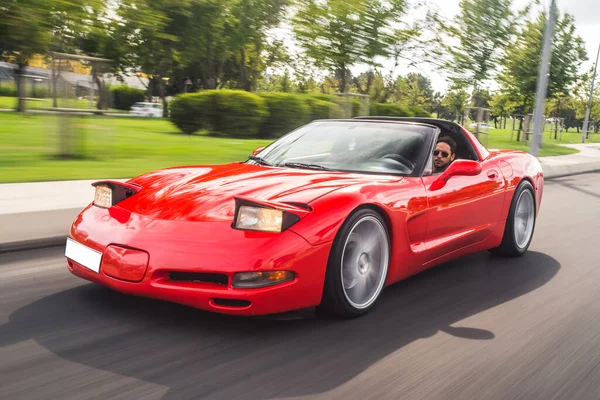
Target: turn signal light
column 248, row 280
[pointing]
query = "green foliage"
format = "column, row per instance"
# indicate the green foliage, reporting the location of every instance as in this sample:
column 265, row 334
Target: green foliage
column 338, row 34
column 456, row 101
column 390, row 110
column 502, row 106
column 8, row 90
column 476, row 39
column 25, row 29
column 320, row 109
column 286, row 113
column 123, row 96
column 237, row 113
column 233, row 113
column 189, row 111
column 519, row 76
column 418, row 112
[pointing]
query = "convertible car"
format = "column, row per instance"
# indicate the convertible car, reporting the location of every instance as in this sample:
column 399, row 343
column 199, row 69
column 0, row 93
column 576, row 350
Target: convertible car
column 324, row 218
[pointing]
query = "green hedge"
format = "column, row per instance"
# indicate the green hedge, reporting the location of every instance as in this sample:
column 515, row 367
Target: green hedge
column 234, row 113
column 321, row 109
column 286, row 113
column 8, row 90
column 390, row 110
column 188, row 111
column 123, row 97
column 238, row 113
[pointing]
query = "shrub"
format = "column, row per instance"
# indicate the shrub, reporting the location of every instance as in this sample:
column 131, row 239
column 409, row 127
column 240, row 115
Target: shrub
column 320, row 109
column 419, row 112
column 234, row 113
column 8, row 90
column 188, row 112
column 237, row 113
column 123, row 96
column 286, row 113
column 389, row 110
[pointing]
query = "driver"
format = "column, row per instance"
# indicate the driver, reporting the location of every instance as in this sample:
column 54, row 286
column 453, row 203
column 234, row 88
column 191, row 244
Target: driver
column 444, row 154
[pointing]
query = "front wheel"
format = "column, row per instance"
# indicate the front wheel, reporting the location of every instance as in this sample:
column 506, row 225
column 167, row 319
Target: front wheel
column 520, row 224
column 358, row 266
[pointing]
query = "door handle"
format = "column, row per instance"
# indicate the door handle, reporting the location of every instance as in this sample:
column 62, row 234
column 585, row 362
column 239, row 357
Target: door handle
column 492, row 174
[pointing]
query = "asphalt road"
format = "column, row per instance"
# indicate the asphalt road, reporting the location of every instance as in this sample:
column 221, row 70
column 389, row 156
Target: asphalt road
column 477, row 328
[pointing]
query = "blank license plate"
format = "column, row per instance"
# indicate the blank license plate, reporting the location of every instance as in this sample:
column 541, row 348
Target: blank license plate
column 83, row 255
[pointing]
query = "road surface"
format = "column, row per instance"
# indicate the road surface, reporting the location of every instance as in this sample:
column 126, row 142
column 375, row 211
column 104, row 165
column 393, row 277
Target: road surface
column 477, row 328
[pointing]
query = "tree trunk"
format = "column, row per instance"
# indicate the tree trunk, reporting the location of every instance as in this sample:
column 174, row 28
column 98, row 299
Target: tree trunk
column 243, row 81
column 20, row 88
column 55, row 75
column 341, row 73
column 164, row 99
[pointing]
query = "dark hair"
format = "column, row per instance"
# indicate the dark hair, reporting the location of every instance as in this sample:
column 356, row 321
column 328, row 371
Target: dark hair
column 449, row 142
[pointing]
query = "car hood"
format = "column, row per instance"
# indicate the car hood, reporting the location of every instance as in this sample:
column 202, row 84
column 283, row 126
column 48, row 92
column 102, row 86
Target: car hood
column 207, row 192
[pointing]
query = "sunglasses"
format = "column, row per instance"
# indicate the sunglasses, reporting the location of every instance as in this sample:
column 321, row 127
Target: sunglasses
column 444, row 153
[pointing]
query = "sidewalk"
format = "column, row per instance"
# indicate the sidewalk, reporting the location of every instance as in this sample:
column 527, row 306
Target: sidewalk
column 39, row 214
column 587, row 160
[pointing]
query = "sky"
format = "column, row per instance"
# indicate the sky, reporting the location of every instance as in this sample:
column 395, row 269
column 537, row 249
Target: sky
column 587, row 19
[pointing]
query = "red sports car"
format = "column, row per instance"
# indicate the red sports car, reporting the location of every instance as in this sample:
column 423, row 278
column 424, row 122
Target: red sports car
column 326, row 217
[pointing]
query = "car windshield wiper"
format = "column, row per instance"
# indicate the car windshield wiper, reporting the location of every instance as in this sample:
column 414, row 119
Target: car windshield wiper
column 308, row 166
column 259, row 160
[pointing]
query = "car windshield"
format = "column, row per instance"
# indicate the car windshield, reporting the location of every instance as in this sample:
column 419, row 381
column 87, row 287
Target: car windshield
column 351, row 145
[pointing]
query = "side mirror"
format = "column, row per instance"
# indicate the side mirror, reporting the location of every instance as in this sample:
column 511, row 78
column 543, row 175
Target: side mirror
column 457, row 168
column 258, row 150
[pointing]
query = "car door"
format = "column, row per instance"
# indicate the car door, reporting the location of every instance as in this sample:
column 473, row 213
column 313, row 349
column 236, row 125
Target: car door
column 463, row 209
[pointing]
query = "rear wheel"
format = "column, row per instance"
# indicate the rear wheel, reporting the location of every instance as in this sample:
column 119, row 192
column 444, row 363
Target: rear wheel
column 358, row 266
column 520, row 224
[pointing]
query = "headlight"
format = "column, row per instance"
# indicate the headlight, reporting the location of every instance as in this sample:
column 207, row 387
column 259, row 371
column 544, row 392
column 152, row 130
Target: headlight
column 249, row 280
column 259, row 219
column 103, row 196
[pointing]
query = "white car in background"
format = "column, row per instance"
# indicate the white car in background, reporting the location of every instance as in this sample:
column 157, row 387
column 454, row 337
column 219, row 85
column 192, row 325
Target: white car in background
column 152, row 110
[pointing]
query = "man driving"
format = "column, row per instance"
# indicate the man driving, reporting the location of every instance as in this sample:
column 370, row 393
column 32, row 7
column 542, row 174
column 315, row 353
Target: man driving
column 444, row 154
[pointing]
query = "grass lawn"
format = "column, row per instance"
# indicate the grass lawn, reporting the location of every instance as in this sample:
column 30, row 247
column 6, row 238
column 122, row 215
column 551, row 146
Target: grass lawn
column 117, row 147
column 122, row 147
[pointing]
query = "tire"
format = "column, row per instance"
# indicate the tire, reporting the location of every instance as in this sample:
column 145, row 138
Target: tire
column 358, row 263
column 520, row 224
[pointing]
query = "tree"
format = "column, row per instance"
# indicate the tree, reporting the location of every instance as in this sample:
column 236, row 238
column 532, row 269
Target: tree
column 523, row 56
column 152, row 31
column 338, row 34
column 226, row 42
column 476, row 39
column 25, row 30
column 455, row 101
column 501, row 106
column 581, row 94
column 74, row 23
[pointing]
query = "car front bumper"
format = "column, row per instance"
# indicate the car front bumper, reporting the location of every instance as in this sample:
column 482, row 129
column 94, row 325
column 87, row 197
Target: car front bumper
column 193, row 263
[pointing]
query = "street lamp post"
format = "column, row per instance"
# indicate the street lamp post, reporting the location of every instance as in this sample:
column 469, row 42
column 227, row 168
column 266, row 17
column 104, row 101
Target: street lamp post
column 589, row 106
column 542, row 83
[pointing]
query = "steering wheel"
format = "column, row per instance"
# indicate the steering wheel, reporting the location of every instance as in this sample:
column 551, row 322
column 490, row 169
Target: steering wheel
column 400, row 159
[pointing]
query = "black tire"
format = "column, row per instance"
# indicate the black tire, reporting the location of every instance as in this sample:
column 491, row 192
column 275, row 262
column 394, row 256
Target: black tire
column 510, row 246
column 335, row 300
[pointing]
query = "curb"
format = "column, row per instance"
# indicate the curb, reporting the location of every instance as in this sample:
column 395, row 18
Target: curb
column 35, row 244
column 563, row 175
column 551, row 172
